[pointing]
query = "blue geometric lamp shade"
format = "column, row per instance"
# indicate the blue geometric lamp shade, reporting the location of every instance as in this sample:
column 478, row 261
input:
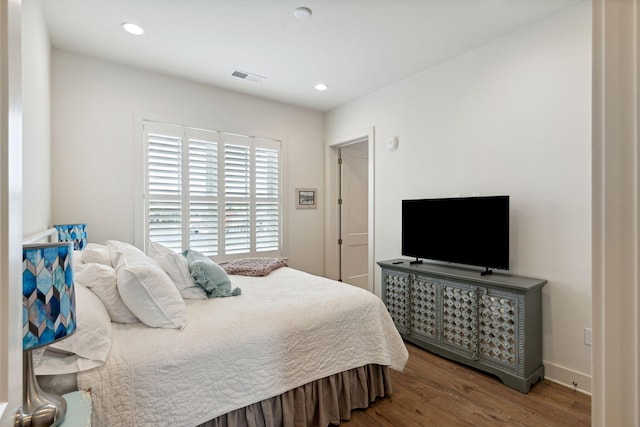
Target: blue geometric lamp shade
column 76, row 233
column 48, row 315
column 48, row 297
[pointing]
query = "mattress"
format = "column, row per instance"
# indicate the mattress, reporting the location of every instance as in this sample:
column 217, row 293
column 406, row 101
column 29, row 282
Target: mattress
column 286, row 329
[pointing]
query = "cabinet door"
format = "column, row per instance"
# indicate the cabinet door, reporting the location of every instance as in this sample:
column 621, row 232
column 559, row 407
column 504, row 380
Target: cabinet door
column 499, row 335
column 395, row 295
column 460, row 318
column 424, row 317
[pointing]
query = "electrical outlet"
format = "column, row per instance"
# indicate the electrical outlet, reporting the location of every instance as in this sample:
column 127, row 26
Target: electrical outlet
column 587, row 336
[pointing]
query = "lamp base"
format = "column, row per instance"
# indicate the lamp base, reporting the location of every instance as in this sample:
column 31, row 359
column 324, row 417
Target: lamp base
column 39, row 408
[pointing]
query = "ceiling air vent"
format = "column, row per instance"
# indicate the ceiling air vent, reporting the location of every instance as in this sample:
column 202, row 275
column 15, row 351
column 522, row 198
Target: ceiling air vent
column 247, row 76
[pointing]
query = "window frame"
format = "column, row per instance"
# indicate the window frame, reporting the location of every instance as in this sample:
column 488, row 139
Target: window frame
column 142, row 185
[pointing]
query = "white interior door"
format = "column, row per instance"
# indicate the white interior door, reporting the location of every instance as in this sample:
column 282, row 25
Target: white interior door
column 354, row 214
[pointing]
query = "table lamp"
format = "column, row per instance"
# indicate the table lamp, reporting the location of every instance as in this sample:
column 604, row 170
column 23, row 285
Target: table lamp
column 76, row 233
column 48, row 315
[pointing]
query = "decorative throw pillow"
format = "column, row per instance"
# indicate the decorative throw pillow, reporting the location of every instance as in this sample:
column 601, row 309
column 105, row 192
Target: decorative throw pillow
column 101, row 279
column 147, row 290
column 177, row 267
column 209, row 275
column 88, row 347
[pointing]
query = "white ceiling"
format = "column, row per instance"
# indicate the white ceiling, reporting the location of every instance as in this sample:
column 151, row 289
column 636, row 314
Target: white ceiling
column 354, row 46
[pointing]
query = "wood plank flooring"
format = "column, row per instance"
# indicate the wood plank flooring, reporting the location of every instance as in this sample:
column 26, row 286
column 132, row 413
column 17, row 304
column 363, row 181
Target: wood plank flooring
column 434, row 391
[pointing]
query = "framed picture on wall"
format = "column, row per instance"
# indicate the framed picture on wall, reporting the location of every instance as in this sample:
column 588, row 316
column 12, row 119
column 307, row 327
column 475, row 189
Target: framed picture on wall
column 306, row 198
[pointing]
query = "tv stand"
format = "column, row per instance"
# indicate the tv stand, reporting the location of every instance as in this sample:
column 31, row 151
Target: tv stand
column 416, row 261
column 492, row 323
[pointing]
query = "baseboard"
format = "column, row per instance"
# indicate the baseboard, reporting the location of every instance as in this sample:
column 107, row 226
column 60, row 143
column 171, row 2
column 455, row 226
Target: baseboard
column 567, row 377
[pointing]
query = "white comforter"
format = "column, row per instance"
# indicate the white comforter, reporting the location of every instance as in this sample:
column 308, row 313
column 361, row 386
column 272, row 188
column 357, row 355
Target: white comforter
column 285, row 330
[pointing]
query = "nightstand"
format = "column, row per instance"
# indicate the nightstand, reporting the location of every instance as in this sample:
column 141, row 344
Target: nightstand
column 78, row 409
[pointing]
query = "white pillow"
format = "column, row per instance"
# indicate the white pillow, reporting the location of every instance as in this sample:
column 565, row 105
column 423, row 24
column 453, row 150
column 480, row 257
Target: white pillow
column 101, row 279
column 88, row 347
column 115, row 247
column 148, row 291
column 95, row 252
column 177, row 267
column 77, row 258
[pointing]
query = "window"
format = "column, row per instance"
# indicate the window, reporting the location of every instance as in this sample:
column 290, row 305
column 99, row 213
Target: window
column 214, row 192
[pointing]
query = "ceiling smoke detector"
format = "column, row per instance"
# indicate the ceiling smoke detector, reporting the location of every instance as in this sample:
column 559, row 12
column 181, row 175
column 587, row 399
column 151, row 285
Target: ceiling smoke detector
column 247, row 76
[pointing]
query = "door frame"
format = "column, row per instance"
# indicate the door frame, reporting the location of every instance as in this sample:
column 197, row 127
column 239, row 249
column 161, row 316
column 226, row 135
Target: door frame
column 332, row 233
column 615, row 205
column 10, row 210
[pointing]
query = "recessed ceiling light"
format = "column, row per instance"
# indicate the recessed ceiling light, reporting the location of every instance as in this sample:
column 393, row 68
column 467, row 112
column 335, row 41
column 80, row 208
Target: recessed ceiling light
column 302, row 13
column 132, row 28
column 321, row 87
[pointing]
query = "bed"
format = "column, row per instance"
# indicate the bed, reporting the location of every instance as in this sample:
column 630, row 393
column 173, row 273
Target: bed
column 291, row 349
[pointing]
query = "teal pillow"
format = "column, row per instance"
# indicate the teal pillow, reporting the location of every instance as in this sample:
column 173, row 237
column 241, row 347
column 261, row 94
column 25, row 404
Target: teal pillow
column 209, row 275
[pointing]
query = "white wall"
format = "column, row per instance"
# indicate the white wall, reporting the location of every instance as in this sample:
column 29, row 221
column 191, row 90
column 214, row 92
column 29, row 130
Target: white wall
column 94, row 130
column 36, row 148
column 512, row 117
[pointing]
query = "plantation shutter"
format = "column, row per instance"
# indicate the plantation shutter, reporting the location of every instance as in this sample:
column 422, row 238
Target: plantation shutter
column 217, row 193
column 164, row 185
column 267, row 182
column 237, row 194
column 203, row 191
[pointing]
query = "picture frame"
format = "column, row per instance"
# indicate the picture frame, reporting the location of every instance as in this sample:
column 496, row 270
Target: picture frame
column 306, row 198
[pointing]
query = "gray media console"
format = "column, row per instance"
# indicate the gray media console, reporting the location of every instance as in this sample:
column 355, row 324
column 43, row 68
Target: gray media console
column 490, row 322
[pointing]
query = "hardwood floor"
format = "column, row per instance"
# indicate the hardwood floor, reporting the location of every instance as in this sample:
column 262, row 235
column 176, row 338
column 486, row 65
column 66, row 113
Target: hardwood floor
column 434, row 391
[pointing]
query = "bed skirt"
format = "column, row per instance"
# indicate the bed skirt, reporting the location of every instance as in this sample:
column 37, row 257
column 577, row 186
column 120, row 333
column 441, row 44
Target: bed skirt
column 319, row 403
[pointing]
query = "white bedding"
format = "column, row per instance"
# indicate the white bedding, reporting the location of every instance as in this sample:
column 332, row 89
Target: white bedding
column 285, row 330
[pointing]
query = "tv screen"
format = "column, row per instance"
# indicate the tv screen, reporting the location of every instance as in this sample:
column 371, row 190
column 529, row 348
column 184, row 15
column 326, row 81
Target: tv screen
column 463, row 230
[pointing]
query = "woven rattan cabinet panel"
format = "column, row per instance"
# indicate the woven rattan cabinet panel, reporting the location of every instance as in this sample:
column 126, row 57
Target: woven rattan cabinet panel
column 493, row 322
column 396, row 298
column 424, row 322
column 500, row 331
column 460, row 318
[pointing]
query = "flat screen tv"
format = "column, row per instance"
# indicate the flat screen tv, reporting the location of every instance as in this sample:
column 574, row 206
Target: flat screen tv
column 462, row 230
